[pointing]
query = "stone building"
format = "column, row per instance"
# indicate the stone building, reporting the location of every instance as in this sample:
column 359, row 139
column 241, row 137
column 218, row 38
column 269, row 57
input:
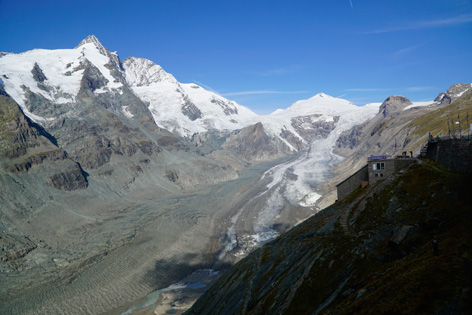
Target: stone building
column 455, row 154
column 359, row 178
column 381, row 167
column 377, row 168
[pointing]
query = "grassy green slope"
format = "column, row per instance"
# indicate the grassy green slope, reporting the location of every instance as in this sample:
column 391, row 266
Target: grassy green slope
column 436, row 121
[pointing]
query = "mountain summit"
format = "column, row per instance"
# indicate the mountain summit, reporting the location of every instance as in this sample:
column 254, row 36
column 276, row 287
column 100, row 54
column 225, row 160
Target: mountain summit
column 94, row 40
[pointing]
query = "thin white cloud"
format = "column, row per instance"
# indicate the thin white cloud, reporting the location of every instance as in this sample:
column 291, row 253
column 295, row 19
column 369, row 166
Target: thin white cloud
column 263, row 92
column 281, row 71
column 457, row 20
column 419, row 88
column 406, row 50
column 350, row 2
column 366, row 90
column 405, row 89
column 206, row 87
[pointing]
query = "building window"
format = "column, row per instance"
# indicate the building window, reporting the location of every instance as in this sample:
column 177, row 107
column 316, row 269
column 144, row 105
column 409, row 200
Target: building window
column 378, row 166
column 381, row 175
column 376, row 175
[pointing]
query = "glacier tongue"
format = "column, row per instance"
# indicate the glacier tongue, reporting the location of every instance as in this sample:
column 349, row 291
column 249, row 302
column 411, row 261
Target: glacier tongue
column 290, row 185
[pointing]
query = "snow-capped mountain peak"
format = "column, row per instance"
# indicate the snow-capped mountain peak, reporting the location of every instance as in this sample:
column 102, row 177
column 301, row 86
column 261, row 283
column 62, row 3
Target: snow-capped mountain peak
column 182, row 108
column 56, row 75
column 91, row 39
column 319, row 104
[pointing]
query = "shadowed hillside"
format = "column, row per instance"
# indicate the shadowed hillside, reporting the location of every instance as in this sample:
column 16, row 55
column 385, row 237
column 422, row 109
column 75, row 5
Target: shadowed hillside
column 368, row 254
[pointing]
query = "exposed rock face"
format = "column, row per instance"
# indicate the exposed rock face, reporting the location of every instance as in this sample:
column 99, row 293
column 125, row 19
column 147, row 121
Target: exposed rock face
column 38, row 74
column 37, row 103
column 37, row 159
column 92, row 155
column 453, row 93
column 190, row 110
column 350, row 139
column 16, row 135
column 71, row 180
column 92, row 80
column 311, row 129
column 25, row 146
column 253, row 144
column 14, row 247
column 393, row 105
column 228, row 110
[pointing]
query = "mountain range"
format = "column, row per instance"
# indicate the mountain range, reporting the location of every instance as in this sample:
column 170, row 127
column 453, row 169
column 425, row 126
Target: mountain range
column 105, row 160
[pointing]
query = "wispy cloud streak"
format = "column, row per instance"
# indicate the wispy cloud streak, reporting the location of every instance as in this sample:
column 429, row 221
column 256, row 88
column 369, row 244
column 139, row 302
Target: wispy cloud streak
column 350, row 2
column 207, row 87
column 281, row 71
column 263, row 92
column 405, row 51
column 419, row 88
column 457, row 20
column 404, row 89
column 366, row 90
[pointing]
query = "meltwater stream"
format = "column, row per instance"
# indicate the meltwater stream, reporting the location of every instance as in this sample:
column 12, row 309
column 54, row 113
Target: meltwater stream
column 197, row 278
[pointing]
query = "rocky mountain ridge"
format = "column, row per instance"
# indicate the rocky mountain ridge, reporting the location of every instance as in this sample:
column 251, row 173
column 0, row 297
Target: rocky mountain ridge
column 453, row 93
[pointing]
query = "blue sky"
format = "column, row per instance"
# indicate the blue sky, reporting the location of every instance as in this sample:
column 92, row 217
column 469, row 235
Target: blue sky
column 268, row 54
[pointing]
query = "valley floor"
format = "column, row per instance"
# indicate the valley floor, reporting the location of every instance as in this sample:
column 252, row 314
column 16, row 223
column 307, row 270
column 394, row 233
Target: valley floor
column 136, row 249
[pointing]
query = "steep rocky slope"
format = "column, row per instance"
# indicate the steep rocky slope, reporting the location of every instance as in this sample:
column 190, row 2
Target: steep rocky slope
column 369, row 254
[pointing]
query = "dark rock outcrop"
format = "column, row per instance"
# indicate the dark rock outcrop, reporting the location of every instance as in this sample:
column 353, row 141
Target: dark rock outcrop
column 393, row 105
column 16, row 131
column 453, row 93
column 350, row 139
column 14, row 247
column 228, row 110
column 37, row 159
column 38, row 74
column 23, row 145
column 311, row 129
column 71, row 180
column 92, row 80
column 253, row 144
column 191, row 111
